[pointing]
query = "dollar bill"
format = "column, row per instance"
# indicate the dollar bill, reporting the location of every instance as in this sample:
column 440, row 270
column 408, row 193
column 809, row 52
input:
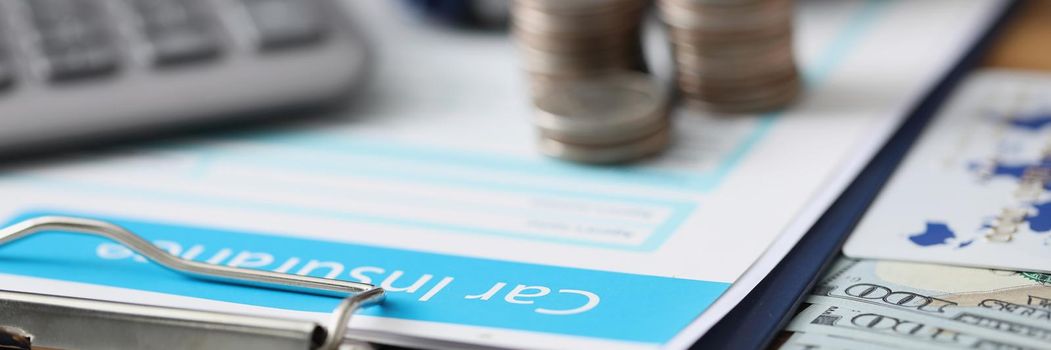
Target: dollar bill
column 815, row 341
column 1009, row 305
column 956, row 325
column 871, row 324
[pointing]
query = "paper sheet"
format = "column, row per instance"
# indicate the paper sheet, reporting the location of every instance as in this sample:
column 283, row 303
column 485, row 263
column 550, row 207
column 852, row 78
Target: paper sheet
column 430, row 187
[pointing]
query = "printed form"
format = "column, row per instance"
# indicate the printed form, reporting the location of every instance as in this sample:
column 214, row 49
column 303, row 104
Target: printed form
column 431, row 188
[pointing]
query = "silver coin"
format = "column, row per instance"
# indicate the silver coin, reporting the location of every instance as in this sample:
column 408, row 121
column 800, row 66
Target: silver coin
column 577, row 6
column 757, row 14
column 733, row 49
column 607, row 136
column 733, row 56
column 731, row 35
column 556, row 23
column 590, row 106
column 735, row 96
column 786, row 74
column 628, row 36
column 760, row 99
column 577, row 66
column 616, row 101
column 701, row 67
column 766, row 104
column 577, row 39
column 609, row 154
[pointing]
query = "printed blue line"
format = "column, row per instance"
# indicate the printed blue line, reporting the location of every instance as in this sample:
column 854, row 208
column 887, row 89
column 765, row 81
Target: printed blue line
column 364, row 169
column 202, row 163
column 443, row 202
column 764, row 124
column 662, row 231
column 666, row 229
column 859, row 24
column 422, row 156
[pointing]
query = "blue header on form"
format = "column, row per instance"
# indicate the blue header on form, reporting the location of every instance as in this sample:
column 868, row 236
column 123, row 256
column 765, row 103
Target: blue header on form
column 422, row 286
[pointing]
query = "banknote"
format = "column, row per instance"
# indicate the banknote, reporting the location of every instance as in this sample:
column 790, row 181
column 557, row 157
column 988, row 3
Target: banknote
column 816, row 341
column 871, row 324
column 979, row 323
column 1008, row 305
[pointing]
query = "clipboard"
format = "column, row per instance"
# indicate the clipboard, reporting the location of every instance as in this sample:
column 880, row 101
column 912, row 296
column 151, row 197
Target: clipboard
column 766, row 310
column 773, row 303
column 29, row 320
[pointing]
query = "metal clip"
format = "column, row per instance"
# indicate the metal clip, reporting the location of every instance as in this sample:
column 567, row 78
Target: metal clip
column 39, row 310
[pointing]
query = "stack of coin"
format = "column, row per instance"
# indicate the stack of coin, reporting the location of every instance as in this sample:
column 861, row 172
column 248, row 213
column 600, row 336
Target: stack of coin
column 611, row 118
column 562, row 40
column 733, row 56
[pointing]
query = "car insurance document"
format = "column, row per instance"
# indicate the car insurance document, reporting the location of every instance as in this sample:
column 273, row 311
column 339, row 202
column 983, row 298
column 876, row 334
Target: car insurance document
column 430, row 186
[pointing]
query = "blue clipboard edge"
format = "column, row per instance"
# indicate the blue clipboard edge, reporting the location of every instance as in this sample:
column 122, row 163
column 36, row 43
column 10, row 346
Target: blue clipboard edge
column 759, row 318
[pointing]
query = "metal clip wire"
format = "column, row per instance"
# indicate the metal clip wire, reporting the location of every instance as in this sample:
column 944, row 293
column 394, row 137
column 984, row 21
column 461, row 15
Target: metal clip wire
column 354, row 294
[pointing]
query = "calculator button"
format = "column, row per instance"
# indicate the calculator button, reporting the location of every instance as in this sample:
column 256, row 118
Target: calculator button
column 286, row 23
column 183, row 46
column 73, row 38
column 49, row 12
column 82, row 62
column 7, row 68
column 179, row 31
column 7, row 73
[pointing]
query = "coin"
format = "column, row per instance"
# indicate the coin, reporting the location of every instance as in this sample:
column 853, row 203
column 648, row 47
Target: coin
column 733, row 56
column 772, row 102
column 622, row 101
column 568, row 40
column 584, row 59
column 605, row 137
column 607, row 154
column 579, row 120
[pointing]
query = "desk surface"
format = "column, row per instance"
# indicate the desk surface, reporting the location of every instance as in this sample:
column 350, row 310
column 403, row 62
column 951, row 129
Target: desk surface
column 1023, row 42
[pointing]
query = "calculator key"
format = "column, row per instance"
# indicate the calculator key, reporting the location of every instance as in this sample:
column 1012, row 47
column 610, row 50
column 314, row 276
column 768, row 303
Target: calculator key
column 286, row 23
column 81, row 62
column 74, row 38
column 65, row 22
column 60, row 37
column 7, row 73
column 179, row 31
column 49, row 12
column 183, row 46
column 7, row 68
column 167, row 13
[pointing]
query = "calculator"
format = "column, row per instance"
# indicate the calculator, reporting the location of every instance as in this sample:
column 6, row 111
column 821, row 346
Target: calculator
column 80, row 70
